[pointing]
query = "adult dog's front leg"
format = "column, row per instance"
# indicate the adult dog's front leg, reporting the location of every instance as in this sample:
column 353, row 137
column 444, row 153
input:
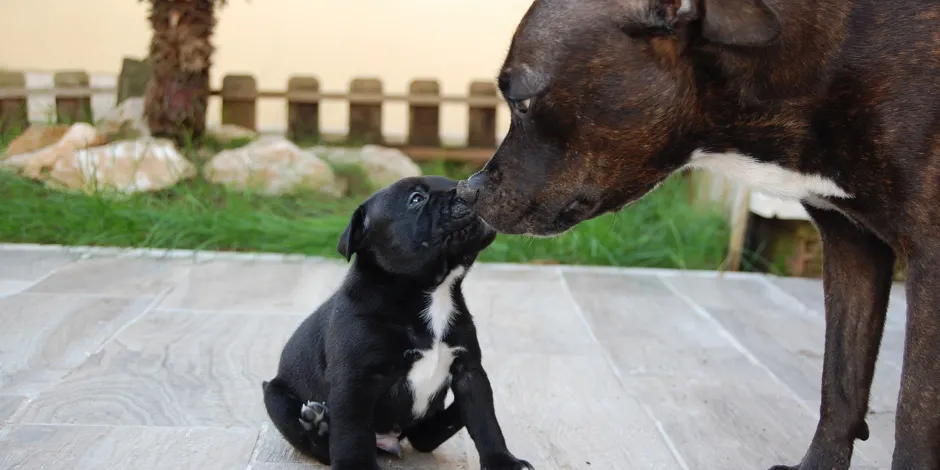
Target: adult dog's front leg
column 473, row 396
column 352, row 423
column 857, row 272
column 917, row 434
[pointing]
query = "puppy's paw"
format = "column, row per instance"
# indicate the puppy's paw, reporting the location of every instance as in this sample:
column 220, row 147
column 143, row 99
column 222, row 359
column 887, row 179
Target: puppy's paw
column 314, row 417
column 504, row 461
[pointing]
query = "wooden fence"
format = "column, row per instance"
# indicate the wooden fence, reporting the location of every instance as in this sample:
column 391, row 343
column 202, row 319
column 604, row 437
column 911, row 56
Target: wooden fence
column 240, row 95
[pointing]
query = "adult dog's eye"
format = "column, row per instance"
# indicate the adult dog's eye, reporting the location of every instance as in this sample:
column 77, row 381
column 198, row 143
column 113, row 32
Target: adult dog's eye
column 522, row 106
column 416, row 198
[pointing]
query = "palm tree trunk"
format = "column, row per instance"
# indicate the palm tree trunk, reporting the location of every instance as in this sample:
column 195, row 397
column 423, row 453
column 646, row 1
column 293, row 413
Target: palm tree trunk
column 180, row 54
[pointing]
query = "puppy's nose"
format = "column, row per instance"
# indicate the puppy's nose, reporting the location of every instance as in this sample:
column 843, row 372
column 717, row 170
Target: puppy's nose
column 469, row 189
column 459, row 209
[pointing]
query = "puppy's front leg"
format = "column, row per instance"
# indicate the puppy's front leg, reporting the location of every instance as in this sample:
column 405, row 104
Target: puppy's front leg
column 474, row 398
column 430, row 433
column 352, row 422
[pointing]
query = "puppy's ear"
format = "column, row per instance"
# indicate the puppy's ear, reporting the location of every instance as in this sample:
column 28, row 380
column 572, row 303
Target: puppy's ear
column 351, row 240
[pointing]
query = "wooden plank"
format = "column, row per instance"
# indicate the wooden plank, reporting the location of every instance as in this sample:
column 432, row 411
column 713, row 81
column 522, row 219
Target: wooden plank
column 46, row 336
column 257, row 287
column 525, row 311
column 72, row 109
column 8, row 406
column 562, row 411
column 173, row 369
column 809, row 292
column 13, row 287
column 426, row 154
column 273, row 452
column 719, row 408
column 28, row 265
column 140, row 448
column 114, row 276
column 649, row 331
column 557, row 399
column 786, row 338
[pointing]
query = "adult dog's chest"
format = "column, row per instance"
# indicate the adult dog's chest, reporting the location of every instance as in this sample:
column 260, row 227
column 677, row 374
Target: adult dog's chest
column 430, row 371
column 771, row 178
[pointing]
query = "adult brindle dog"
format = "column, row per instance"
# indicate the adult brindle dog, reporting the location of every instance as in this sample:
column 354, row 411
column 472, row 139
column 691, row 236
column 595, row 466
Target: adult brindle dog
column 835, row 103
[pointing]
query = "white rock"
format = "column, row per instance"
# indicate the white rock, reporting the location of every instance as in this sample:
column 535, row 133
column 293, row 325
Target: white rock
column 228, row 133
column 142, row 165
column 35, row 164
column 272, row 165
column 382, row 165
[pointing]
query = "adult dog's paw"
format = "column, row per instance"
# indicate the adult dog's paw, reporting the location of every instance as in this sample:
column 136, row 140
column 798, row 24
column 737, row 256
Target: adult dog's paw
column 820, row 460
column 504, row 462
column 314, row 417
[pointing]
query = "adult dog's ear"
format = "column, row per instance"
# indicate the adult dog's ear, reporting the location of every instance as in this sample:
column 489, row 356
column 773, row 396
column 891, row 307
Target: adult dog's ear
column 351, row 240
column 731, row 22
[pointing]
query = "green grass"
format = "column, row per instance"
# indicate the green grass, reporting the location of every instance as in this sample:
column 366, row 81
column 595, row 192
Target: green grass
column 662, row 230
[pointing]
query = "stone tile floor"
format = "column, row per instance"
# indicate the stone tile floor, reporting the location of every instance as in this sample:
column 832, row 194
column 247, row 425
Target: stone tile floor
column 146, row 360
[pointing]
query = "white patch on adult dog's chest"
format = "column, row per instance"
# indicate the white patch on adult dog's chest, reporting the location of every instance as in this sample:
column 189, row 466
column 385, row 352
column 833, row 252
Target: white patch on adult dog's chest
column 768, row 178
column 432, row 370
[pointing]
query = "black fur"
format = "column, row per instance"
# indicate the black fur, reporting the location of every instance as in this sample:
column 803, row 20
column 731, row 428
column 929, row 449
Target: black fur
column 352, row 356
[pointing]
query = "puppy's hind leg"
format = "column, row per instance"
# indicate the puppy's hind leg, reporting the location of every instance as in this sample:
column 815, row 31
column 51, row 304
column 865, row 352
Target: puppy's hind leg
column 430, row 433
column 314, row 417
column 286, row 412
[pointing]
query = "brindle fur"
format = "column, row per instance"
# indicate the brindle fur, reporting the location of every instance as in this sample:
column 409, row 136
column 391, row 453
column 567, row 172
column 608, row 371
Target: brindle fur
column 623, row 91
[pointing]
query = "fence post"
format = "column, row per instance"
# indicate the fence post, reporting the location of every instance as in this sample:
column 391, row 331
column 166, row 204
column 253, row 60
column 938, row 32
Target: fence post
column 240, row 101
column 303, row 117
column 365, row 115
column 481, row 126
column 132, row 82
column 13, row 112
column 424, row 120
column 71, row 109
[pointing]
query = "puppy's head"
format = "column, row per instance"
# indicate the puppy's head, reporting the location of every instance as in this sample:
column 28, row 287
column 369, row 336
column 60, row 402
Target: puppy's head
column 416, row 227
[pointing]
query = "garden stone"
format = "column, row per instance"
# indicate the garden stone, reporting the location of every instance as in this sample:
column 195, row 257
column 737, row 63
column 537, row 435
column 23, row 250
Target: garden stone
column 142, row 165
column 227, row 134
column 382, row 165
column 273, row 165
column 125, row 121
column 37, row 136
column 34, row 164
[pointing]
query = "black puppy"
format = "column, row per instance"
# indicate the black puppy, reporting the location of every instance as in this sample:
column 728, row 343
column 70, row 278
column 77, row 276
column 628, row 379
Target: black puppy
column 373, row 364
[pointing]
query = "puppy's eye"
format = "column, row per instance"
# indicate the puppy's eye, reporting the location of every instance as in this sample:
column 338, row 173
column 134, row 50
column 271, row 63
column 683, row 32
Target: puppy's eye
column 416, row 198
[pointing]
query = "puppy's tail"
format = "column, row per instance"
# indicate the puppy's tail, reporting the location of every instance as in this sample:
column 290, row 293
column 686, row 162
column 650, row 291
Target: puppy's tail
column 284, row 410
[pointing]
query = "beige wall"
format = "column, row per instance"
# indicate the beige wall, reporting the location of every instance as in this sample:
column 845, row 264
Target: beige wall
column 455, row 41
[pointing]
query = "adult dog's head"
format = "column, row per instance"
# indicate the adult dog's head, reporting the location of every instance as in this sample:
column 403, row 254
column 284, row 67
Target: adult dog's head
column 606, row 98
column 416, row 227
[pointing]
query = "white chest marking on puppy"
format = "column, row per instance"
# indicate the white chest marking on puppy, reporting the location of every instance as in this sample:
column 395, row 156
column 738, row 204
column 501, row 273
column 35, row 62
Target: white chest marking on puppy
column 768, row 178
column 429, row 373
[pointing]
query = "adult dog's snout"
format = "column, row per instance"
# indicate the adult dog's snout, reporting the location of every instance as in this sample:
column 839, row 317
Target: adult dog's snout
column 468, row 190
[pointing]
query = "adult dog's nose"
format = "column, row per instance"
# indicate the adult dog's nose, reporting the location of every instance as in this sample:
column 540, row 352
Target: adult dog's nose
column 469, row 189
